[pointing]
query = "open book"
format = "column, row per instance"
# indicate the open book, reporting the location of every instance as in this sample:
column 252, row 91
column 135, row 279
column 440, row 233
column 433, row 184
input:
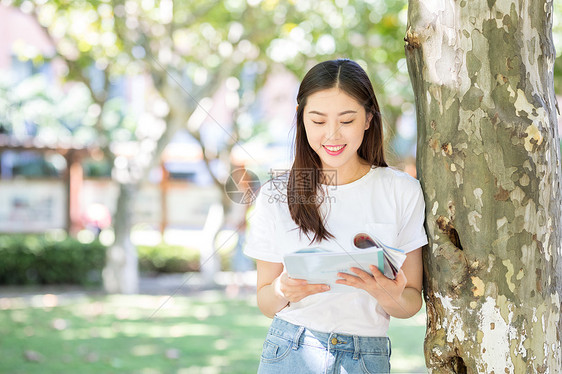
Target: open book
column 318, row 265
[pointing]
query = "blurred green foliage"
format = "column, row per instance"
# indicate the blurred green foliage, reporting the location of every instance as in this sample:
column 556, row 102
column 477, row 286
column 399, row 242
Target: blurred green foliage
column 40, row 259
column 168, row 258
column 186, row 49
column 183, row 47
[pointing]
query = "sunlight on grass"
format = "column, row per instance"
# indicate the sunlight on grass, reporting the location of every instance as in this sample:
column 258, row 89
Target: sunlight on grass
column 144, row 350
column 202, row 330
column 200, row 370
column 209, row 333
column 406, row 363
column 407, row 336
column 201, row 334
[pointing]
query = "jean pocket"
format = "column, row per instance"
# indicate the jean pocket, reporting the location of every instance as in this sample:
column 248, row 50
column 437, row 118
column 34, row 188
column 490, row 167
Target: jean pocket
column 275, row 348
column 375, row 363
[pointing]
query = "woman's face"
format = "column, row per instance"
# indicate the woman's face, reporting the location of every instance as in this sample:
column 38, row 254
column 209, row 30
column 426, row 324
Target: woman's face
column 335, row 124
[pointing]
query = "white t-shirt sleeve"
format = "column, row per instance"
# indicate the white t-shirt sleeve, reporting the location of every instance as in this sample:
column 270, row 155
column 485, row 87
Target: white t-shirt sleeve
column 260, row 239
column 412, row 233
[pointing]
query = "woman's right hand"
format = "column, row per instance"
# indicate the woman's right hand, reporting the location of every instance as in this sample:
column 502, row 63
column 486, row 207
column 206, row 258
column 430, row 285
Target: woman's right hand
column 294, row 290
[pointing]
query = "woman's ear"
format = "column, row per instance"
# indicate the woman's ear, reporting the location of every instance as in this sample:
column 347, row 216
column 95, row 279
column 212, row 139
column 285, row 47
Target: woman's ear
column 368, row 120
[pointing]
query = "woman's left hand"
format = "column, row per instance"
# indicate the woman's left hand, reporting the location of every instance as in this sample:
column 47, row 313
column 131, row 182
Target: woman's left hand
column 386, row 291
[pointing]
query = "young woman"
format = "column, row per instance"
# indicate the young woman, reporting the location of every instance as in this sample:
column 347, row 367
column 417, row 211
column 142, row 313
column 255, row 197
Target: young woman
column 339, row 185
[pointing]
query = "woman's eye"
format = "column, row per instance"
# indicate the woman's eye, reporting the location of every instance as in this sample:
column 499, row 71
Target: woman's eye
column 318, row 123
column 347, row 122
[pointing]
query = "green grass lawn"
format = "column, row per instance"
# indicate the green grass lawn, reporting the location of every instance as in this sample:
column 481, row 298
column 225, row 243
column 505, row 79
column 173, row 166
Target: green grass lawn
column 207, row 333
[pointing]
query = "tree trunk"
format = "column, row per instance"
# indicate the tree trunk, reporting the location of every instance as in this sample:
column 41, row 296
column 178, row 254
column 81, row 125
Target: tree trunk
column 210, row 264
column 120, row 274
column 489, row 164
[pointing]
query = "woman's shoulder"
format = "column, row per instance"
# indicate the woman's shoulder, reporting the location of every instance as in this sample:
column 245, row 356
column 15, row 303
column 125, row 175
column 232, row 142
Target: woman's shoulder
column 392, row 176
column 392, row 172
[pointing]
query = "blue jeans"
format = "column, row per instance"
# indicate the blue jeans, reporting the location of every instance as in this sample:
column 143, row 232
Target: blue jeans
column 294, row 349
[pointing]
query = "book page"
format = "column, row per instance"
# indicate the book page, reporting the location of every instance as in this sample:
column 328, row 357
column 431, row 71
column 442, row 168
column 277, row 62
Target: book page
column 323, row 267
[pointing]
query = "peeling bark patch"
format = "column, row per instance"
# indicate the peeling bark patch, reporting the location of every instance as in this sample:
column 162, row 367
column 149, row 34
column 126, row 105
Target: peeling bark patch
column 473, row 218
column 500, row 222
column 495, row 160
column 478, row 195
column 452, row 210
column 443, row 224
column 495, row 331
column 534, row 137
column 458, row 179
column 491, row 261
column 509, row 274
column 538, row 274
column 447, row 149
column 478, row 289
column 552, row 322
column 472, row 99
column 502, row 194
column 517, row 195
column 453, row 326
column 412, row 39
column 434, row 144
column 501, row 79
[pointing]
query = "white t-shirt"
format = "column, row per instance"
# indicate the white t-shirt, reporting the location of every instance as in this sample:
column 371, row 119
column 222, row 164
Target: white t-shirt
column 386, row 202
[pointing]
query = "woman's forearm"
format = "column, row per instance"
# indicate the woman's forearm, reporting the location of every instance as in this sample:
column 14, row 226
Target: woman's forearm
column 270, row 300
column 406, row 306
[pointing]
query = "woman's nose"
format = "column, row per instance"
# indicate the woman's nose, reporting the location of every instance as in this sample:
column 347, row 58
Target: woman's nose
column 334, row 131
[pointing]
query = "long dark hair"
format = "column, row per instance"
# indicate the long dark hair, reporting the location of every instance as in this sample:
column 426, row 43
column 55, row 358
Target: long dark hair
column 303, row 199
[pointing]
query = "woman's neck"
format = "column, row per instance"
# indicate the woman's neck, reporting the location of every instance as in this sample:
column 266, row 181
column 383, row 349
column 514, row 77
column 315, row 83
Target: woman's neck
column 344, row 176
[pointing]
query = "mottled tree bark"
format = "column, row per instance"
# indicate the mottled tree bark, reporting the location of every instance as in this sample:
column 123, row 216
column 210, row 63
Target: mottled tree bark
column 489, row 164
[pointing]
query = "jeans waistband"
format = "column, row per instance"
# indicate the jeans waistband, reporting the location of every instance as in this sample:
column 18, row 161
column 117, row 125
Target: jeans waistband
column 300, row 335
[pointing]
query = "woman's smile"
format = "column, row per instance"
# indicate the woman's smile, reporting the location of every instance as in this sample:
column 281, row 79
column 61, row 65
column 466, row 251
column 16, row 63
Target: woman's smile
column 334, row 150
